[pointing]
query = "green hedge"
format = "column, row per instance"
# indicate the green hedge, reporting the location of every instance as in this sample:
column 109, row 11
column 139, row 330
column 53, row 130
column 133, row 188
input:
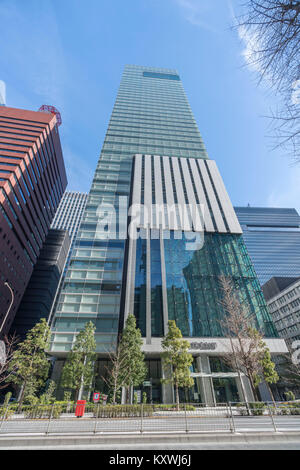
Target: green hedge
column 256, row 408
column 7, row 412
column 173, row 407
column 290, row 409
column 122, row 411
column 43, row 411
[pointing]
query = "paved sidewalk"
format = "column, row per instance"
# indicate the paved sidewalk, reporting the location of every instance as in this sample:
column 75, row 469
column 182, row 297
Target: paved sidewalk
column 238, row 441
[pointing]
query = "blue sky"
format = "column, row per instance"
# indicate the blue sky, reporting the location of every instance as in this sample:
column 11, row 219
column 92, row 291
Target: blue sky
column 70, row 53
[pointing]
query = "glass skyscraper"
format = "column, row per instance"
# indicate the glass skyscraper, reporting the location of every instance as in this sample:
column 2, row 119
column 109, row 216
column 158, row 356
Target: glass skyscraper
column 149, row 117
column 153, row 153
column 272, row 237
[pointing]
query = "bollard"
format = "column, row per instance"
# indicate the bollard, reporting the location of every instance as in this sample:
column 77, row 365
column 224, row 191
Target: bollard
column 272, row 418
column 185, row 417
column 96, row 418
column 142, row 417
column 50, row 416
column 232, row 426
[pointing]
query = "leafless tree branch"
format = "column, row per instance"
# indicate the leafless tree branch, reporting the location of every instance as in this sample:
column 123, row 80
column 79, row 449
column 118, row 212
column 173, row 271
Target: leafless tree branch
column 274, row 26
column 10, row 343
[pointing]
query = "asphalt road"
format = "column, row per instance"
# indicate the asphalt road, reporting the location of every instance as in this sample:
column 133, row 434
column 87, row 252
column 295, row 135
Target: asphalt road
column 176, row 424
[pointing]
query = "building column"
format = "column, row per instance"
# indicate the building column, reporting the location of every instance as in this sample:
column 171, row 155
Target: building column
column 206, row 389
column 247, row 388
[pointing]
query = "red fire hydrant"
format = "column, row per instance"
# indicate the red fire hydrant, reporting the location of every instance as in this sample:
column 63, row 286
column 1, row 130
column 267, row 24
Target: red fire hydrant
column 80, row 407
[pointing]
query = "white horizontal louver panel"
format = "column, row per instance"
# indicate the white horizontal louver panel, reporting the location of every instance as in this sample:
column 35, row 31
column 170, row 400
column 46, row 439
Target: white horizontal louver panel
column 159, row 201
column 137, row 184
column 200, row 180
column 185, row 224
column 148, row 190
column 196, row 211
column 212, row 198
column 172, row 222
column 229, row 213
column 209, row 226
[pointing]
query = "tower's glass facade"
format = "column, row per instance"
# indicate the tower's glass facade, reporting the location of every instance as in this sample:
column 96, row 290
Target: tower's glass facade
column 193, row 287
column 151, row 115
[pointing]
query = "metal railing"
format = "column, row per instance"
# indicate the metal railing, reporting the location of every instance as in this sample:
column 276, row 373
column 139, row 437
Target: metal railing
column 150, row 419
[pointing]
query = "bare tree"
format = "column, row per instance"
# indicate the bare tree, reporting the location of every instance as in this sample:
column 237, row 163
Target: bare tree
column 6, row 354
column 274, row 50
column 246, row 343
column 116, row 373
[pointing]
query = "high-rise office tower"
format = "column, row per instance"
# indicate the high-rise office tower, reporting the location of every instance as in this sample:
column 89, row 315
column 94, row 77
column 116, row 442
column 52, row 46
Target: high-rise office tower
column 32, row 181
column 51, row 265
column 41, row 289
column 68, row 217
column 69, row 213
column 283, row 298
column 153, row 154
column 272, row 237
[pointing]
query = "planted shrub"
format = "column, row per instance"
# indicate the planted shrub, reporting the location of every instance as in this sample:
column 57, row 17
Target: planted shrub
column 242, row 409
column 7, row 412
column 122, row 411
column 289, row 396
column 43, row 411
column 257, row 408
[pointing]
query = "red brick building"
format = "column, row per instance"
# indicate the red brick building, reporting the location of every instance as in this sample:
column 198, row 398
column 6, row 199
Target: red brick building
column 32, row 182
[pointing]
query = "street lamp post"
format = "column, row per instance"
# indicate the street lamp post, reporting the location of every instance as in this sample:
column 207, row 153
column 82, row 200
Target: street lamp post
column 11, row 303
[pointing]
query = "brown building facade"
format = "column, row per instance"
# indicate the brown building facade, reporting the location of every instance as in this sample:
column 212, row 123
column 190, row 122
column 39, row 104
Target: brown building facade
column 32, row 182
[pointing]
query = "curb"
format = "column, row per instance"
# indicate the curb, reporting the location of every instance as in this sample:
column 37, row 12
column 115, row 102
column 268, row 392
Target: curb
column 7, row 442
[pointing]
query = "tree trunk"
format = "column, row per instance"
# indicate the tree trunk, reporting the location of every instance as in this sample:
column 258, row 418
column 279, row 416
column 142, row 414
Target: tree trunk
column 271, row 393
column 177, row 396
column 21, row 399
column 127, row 397
column 76, row 395
column 253, row 388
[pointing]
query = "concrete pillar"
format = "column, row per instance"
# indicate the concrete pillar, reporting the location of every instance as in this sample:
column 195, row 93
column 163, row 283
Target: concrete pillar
column 248, row 389
column 207, row 390
column 264, row 392
column 240, row 390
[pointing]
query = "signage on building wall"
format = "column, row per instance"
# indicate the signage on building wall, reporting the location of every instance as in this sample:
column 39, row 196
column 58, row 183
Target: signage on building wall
column 204, row 346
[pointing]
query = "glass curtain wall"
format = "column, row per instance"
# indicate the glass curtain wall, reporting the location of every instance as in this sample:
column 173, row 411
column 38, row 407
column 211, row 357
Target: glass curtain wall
column 193, row 288
column 151, row 115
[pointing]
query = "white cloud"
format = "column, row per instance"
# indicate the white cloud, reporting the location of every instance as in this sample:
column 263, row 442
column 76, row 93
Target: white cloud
column 252, row 46
column 195, row 12
column 250, row 41
column 287, row 194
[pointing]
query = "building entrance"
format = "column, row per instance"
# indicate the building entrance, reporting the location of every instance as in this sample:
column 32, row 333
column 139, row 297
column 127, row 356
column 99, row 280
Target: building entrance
column 225, row 390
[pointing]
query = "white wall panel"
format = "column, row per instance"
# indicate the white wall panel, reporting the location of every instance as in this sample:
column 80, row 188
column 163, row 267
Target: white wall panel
column 209, row 190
